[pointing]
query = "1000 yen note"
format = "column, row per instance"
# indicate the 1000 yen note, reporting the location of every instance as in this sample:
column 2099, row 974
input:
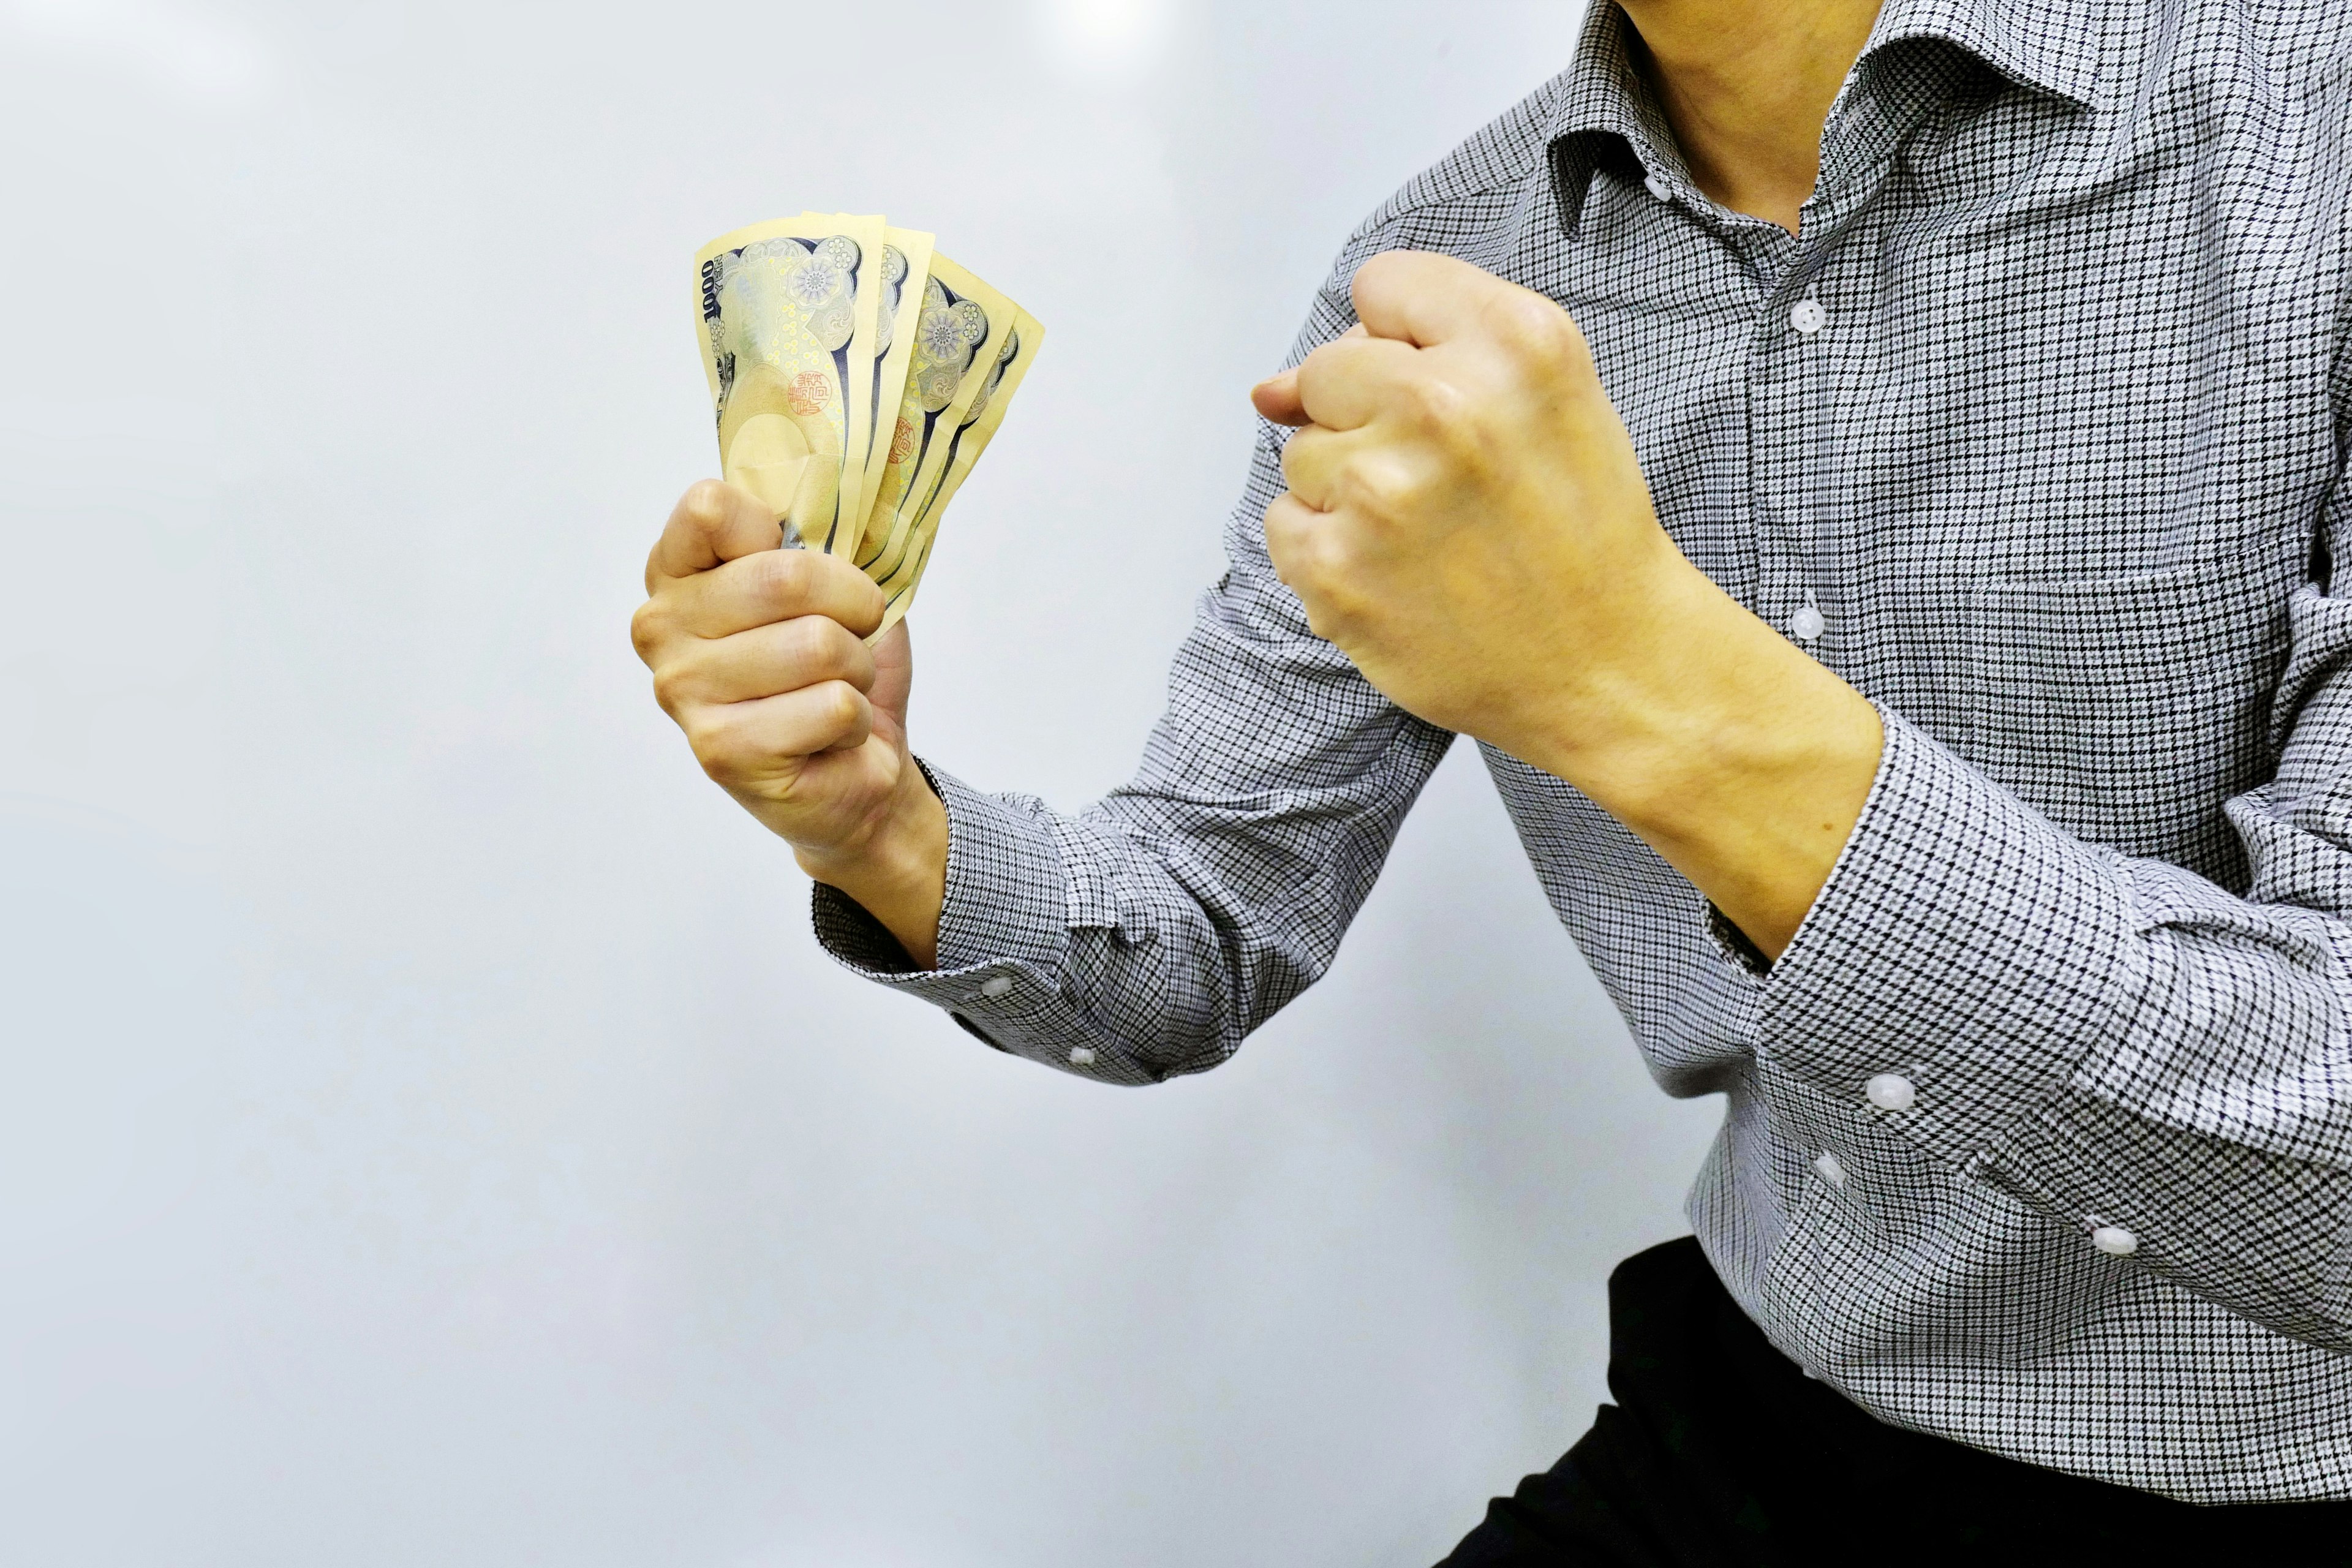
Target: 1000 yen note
column 962, row 324
column 982, row 420
column 786, row 315
column 905, row 270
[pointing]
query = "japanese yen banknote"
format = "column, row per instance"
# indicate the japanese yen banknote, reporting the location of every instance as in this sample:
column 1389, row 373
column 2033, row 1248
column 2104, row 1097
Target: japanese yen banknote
column 856, row 375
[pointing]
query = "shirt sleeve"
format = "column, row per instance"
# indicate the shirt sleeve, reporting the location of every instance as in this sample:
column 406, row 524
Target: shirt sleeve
column 2114, row 1040
column 1146, row 935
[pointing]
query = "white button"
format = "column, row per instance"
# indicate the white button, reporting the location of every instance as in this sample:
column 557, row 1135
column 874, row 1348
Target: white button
column 1806, row 623
column 1659, row 188
column 995, row 986
column 1808, row 317
column 2114, row 1241
column 1831, row 1168
column 1082, row 1056
column 1891, row 1091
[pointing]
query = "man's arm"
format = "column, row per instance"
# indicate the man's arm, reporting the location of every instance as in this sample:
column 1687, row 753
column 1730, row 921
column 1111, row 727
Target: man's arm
column 756, row 653
column 2114, row 1040
column 1141, row 938
column 1146, row 935
column 1467, row 520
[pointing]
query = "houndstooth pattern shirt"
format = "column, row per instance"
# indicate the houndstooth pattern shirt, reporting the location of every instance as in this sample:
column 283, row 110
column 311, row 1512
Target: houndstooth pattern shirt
column 2038, row 1135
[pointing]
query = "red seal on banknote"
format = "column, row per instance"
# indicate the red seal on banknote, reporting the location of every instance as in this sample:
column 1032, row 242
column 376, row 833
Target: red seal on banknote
column 811, row 393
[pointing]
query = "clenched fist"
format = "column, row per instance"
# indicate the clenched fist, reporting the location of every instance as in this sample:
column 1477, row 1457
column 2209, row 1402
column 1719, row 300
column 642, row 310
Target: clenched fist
column 1467, row 520
column 758, row 653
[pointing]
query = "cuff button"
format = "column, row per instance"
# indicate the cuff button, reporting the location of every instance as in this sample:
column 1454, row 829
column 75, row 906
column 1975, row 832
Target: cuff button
column 1082, row 1056
column 1891, row 1091
column 995, row 986
column 2114, row 1241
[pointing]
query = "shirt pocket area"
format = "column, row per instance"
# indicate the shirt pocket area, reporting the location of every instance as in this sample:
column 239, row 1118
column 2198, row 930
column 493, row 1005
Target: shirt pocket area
column 2130, row 709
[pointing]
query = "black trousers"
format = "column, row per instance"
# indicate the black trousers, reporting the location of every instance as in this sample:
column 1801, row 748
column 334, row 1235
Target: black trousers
column 1719, row 1451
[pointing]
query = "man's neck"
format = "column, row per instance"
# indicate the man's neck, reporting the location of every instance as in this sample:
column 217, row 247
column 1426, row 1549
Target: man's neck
column 1747, row 84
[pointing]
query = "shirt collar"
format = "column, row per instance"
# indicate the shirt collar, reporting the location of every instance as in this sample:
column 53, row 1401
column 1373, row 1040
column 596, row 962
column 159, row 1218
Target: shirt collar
column 1603, row 91
column 2047, row 45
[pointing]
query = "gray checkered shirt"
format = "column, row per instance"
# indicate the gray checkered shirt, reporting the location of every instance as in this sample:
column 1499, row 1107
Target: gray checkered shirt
column 2038, row 1136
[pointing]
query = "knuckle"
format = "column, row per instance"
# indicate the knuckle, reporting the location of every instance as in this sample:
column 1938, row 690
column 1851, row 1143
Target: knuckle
column 1433, row 402
column 1317, row 563
column 648, row 628
column 669, row 687
column 781, row 576
column 1541, row 330
column 1283, row 542
column 717, row 746
column 1382, row 486
column 1296, row 476
column 1382, row 269
column 1329, row 615
column 845, row 705
column 835, row 647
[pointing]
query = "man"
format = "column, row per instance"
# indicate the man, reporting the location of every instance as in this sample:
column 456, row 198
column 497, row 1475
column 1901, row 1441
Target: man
column 1871, row 482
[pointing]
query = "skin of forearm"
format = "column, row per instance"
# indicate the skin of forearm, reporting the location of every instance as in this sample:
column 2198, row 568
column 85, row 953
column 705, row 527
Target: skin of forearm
column 1736, row 757
column 898, row 873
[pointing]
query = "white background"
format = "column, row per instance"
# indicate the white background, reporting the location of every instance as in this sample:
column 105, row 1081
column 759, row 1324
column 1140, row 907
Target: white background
column 428, row 1130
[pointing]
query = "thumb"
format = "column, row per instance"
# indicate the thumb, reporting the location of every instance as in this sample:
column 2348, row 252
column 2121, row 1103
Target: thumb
column 1276, row 398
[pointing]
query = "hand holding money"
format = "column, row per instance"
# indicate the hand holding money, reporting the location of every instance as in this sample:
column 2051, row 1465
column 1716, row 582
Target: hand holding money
column 761, row 656
column 856, row 375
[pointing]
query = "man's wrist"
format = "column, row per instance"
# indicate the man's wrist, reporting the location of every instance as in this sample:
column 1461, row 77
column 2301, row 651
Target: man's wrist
column 896, row 873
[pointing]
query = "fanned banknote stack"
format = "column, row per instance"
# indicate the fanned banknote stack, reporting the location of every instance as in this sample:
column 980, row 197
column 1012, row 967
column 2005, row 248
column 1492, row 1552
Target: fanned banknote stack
column 858, row 374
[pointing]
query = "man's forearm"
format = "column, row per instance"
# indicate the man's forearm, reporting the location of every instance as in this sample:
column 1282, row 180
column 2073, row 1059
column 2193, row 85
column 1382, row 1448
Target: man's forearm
column 900, row 875
column 1739, row 759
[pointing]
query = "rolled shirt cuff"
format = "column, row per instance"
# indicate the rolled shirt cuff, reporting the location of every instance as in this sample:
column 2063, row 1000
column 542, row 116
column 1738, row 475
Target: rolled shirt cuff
column 1004, row 938
column 1964, row 957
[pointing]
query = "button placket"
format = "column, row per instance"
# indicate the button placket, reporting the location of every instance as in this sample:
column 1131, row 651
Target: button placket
column 1807, row 317
column 1778, row 442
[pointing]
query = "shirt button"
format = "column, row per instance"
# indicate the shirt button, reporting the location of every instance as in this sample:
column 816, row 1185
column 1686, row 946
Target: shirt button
column 995, row 986
column 1806, row 623
column 1831, row 1168
column 1808, row 317
column 1891, row 1091
column 2114, row 1241
column 1657, row 186
column 1082, row 1056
